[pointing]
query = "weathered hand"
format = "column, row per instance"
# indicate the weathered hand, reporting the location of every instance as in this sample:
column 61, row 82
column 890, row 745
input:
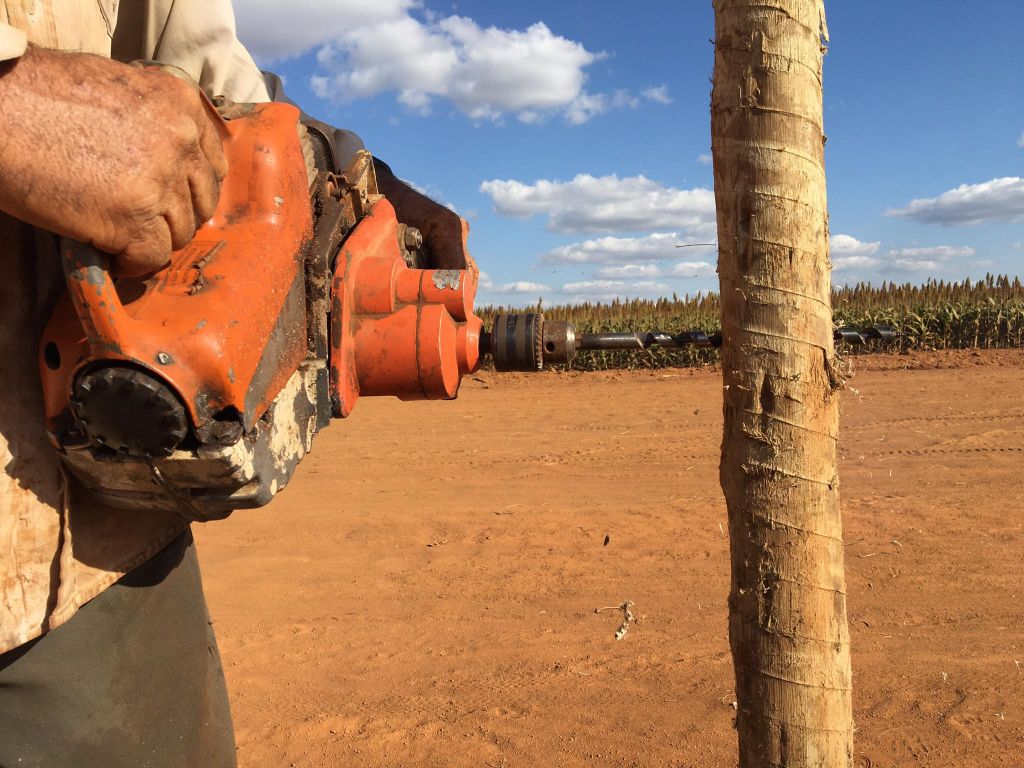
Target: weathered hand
column 124, row 158
column 444, row 231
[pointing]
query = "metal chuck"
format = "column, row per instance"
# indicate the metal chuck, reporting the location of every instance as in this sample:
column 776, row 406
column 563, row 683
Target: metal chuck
column 516, row 343
column 528, row 342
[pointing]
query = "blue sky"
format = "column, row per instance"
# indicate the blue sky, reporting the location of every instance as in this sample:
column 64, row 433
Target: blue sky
column 574, row 136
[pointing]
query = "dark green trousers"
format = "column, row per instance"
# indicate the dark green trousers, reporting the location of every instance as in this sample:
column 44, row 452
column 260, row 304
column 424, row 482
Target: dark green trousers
column 133, row 680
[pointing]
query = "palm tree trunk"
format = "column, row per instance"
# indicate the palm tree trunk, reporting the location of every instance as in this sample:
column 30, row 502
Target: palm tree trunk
column 787, row 626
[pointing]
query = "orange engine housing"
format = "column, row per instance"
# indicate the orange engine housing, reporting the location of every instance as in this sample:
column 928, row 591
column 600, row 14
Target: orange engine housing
column 289, row 304
column 224, row 323
column 397, row 331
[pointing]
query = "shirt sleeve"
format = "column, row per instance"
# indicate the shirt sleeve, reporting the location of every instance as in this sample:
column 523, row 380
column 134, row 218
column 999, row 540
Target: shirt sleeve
column 12, row 42
column 197, row 36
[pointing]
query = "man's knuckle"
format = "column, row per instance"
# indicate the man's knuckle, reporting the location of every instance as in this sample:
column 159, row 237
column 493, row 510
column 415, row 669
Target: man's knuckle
column 184, row 133
column 181, row 92
column 138, row 208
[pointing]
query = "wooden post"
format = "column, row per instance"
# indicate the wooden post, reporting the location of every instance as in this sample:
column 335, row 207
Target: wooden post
column 787, row 623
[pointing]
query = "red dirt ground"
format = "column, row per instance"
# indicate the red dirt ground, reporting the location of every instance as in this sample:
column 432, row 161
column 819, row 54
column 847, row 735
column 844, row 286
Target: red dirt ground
column 425, row 592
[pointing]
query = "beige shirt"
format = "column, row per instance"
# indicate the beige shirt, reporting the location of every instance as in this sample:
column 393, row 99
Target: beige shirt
column 59, row 549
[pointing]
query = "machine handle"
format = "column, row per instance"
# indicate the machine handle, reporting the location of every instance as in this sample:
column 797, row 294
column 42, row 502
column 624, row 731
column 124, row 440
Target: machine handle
column 87, row 269
column 93, row 295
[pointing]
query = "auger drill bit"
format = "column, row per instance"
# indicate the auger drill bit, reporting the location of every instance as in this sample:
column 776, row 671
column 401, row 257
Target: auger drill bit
column 647, row 340
column 856, row 338
column 528, row 342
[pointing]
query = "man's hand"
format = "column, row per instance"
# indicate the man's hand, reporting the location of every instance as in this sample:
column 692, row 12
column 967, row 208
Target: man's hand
column 444, row 231
column 124, row 158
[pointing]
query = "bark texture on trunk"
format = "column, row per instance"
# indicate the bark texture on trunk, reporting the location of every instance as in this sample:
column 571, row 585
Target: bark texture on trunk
column 787, row 627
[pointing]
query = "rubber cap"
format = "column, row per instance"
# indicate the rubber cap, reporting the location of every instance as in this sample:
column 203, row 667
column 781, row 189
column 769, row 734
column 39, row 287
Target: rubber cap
column 129, row 411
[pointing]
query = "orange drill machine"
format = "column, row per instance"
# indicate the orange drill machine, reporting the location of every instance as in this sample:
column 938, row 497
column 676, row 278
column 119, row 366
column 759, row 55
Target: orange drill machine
column 200, row 388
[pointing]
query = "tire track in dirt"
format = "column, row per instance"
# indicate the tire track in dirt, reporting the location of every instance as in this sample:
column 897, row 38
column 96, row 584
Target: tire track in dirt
column 948, row 451
column 966, row 417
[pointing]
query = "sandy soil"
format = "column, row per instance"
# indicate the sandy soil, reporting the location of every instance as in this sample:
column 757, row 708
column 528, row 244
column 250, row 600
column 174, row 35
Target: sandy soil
column 425, row 592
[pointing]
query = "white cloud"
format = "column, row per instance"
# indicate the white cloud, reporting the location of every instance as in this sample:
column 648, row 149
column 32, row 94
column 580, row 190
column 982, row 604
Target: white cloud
column 606, row 204
column 704, row 159
column 926, row 266
column 486, row 283
column 605, row 290
column 622, row 99
column 847, row 252
column 996, row 200
column 691, row 269
column 585, row 106
column 522, row 286
column 928, row 259
column 657, row 94
column 588, row 105
column 271, row 35
column 850, row 253
column 944, row 252
column 679, row 269
column 485, row 72
column 840, row 263
column 1020, row 141
column 616, row 250
column 368, row 48
column 629, row 271
column 847, row 245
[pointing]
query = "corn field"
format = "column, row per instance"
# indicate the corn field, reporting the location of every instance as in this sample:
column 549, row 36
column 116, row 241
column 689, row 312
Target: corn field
column 987, row 314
